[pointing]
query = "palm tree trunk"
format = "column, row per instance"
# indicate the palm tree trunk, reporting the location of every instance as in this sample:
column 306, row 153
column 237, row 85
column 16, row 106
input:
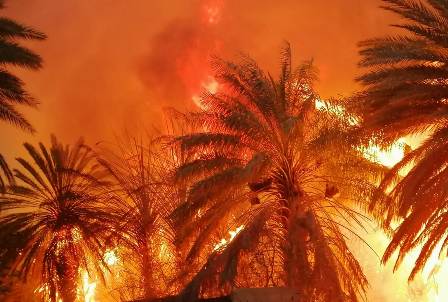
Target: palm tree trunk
column 147, row 285
column 67, row 275
column 297, row 265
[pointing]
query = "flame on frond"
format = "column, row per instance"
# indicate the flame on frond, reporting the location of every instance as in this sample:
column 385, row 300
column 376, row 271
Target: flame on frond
column 86, row 290
column 224, row 242
column 387, row 157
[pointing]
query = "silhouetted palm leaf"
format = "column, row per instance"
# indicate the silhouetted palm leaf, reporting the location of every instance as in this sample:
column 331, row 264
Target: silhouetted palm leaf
column 12, row 53
column 7, row 178
column 406, row 92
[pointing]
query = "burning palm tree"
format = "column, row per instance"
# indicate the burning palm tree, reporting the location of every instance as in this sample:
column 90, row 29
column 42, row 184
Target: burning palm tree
column 143, row 199
column 57, row 208
column 406, row 93
column 268, row 163
column 12, row 53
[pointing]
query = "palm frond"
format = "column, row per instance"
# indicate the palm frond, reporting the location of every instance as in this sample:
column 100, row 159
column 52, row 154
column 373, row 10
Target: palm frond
column 405, row 93
column 9, row 114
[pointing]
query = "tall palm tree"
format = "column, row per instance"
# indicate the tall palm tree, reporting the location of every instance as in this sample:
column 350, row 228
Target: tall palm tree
column 406, row 92
column 269, row 163
column 12, row 92
column 57, row 208
column 142, row 199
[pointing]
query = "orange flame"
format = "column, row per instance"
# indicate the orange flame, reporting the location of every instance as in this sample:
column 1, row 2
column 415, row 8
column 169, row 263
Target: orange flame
column 224, row 242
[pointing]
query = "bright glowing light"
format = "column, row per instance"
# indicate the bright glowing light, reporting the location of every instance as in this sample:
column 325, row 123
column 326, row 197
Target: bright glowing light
column 87, row 288
column 425, row 286
column 44, row 292
column 389, row 286
column 211, row 85
column 387, row 157
column 223, row 242
column 337, row 110
column 110, row 257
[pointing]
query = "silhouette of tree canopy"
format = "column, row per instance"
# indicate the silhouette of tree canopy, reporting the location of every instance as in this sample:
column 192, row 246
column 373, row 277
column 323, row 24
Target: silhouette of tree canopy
column 406, row 93
column 12, row 53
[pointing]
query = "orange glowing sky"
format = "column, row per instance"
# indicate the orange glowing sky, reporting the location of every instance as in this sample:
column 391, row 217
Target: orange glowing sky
column 113, row 64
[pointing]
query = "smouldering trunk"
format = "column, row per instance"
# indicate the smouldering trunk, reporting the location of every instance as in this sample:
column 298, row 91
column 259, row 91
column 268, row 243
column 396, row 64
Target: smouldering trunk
column 68, row 278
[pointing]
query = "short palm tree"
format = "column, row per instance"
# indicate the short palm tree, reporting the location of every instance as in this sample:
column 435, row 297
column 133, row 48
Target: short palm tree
column 57, row 208
column 267, row 162
column 143, row 200
column 406, row 92
column 12, row 92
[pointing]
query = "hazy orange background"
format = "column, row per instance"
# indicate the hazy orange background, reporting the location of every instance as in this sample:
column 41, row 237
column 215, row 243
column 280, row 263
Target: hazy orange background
column 111, row 64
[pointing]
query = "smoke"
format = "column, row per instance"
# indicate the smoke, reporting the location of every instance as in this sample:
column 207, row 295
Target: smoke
column 178, row 60
column 114, row 64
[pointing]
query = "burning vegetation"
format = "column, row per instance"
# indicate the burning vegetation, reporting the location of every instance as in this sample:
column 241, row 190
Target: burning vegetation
column 255, row 194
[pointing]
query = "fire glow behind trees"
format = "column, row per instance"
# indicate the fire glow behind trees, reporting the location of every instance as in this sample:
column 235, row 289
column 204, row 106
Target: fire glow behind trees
column 151, row 64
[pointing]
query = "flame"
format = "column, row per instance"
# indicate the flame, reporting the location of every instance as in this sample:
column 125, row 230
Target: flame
column 223, row 242
column 387, row 157
column 424, row 288
column 87, row 288
column 44, row 291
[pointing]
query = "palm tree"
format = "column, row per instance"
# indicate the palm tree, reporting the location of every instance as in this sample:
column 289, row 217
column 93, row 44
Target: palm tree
column 12, row 92
column 57, row 208
column 406, row 93
column 142, row 199
column 269, row 164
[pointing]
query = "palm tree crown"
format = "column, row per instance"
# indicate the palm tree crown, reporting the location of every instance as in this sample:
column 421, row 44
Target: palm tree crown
column 12, row 92
column 57, row 207
column 405, row 93
column 268, row 161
